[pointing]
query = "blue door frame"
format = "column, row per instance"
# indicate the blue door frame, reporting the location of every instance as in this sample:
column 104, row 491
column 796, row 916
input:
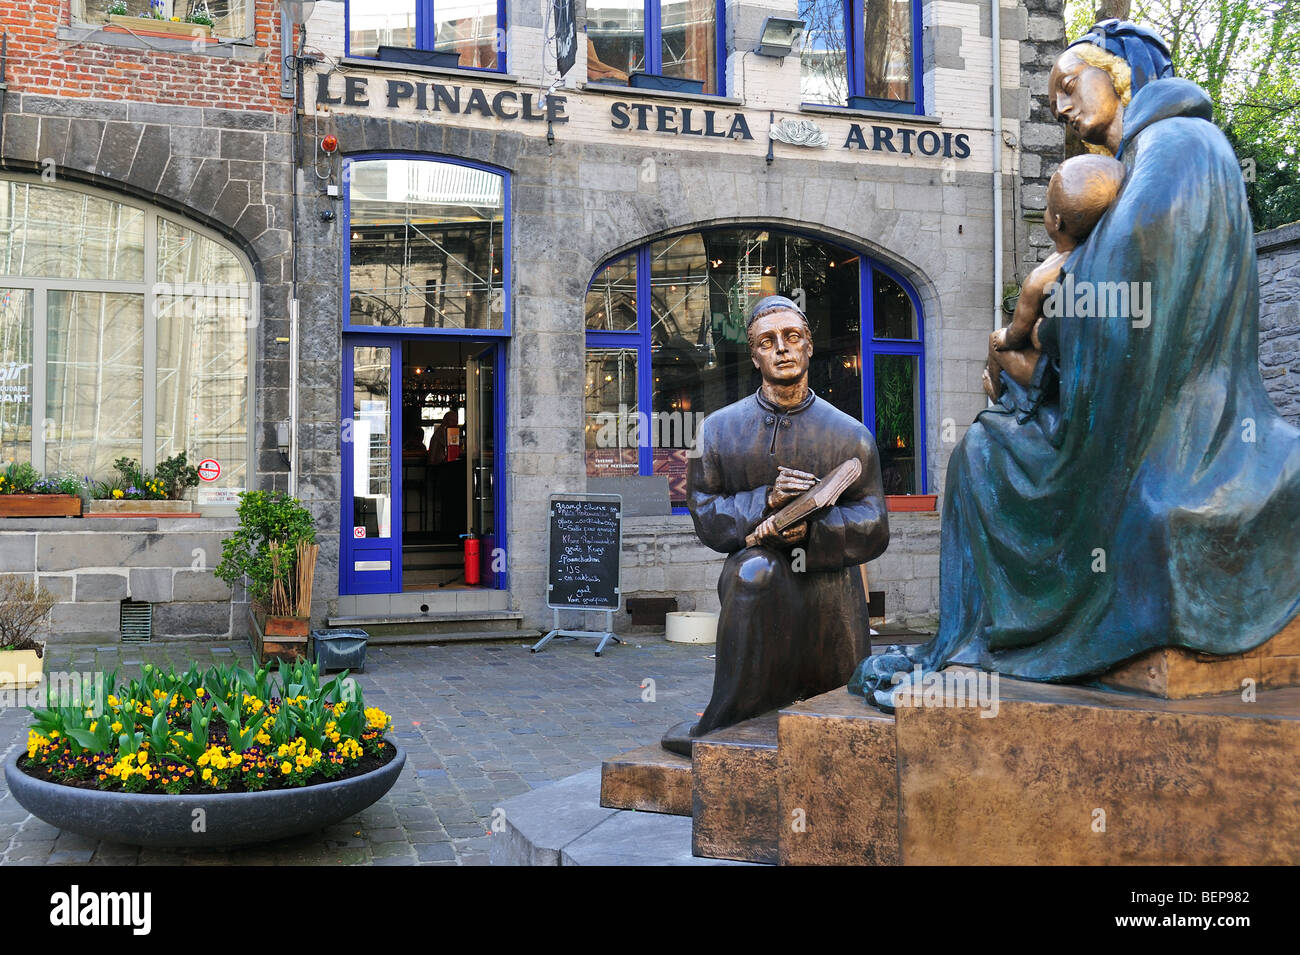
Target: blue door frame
column 371, row 552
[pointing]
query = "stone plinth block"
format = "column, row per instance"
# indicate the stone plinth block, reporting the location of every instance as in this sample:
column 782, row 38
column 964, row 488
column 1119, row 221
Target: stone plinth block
column 734, row 799
column 650, row 779
column 838, row 786
column 1173, row 673
column 1070, row 775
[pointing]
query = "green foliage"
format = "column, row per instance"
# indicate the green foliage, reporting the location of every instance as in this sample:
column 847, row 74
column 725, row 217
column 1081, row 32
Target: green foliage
column 205, row 729
column 19, row 478
column 265, row 520
column 1246, row 56
column 177, row 476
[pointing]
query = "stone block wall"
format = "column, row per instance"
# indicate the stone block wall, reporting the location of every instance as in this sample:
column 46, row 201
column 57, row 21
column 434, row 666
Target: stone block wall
column 1279, row 316
column 92, row 565
column 662, row 557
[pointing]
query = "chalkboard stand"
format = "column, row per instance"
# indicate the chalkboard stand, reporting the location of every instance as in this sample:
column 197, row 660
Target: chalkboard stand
column 600, row 581
column 605, row 636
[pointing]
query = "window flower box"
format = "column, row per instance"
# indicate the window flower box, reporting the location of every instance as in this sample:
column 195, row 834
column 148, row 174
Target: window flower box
column 20, row 669
column 911, row 502
column 140, row 508
column 148, row 26
column 40, row 505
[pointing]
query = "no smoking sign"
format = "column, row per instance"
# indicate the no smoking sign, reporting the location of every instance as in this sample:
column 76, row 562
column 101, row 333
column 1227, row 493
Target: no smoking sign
column 209, row 470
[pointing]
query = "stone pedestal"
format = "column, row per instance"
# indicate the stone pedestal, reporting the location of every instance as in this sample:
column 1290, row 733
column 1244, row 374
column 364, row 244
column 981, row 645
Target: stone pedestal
column 649, row 779
column 837, row 783
column 1172, row 673
column 1066, row 775
column 735, row 806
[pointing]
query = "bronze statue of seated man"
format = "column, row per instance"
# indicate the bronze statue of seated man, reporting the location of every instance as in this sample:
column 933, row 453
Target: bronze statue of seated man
column 793, row 619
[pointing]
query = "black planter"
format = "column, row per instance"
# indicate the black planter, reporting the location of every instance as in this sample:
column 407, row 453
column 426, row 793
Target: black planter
column 229, row 819
column 883, row 105
column 654, row 81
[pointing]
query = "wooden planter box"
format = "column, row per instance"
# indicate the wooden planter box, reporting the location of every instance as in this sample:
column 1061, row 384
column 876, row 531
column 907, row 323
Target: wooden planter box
column 141, row 509
column 40, row 505
column 911, row 502
column 148, row 26
column 20, row 669
column 283, row 638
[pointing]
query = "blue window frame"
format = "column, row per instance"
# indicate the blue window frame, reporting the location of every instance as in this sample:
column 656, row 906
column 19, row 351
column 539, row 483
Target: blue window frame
column 666, row 346
column 864, row 54
column 660, row 44
column 428, row 246
column 473, row 31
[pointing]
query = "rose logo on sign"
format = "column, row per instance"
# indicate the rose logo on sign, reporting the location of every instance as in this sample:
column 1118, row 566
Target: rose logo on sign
column 209, row 470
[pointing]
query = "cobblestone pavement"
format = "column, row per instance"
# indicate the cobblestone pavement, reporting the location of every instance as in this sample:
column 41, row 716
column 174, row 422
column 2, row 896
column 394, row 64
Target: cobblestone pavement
column 480, row 723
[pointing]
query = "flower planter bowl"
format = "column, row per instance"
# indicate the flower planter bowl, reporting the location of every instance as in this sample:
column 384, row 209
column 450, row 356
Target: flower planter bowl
column 148, row 26
column 911, row 502
column 40, row 505
column 125, row 508
column 20, row 669
column 230, row 819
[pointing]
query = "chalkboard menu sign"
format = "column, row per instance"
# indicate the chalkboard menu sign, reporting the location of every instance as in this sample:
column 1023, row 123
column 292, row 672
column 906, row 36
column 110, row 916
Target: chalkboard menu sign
column 586, row 547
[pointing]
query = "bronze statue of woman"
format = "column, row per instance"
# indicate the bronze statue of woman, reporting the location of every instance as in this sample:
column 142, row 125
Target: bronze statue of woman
column 1143, row 491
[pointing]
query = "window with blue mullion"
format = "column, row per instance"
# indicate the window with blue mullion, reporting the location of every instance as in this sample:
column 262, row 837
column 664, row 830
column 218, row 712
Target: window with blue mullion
column 467, row 33
column 666, row 345
column 657, row 44
column 893, row 378
column 863, row 54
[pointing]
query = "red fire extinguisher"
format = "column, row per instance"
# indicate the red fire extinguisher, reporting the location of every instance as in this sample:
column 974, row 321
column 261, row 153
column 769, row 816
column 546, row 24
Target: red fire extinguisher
column 471, row 558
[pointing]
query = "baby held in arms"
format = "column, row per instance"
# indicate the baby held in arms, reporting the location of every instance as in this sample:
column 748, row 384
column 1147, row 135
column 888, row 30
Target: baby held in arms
column 1082, row 188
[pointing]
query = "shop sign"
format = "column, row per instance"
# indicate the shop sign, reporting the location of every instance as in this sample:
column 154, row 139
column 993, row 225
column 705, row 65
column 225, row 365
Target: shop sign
column 508, row 105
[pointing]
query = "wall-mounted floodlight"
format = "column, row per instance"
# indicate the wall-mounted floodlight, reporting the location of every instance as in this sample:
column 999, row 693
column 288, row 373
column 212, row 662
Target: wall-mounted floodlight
column 779, row 36
column 293, row 13
column 298, row 11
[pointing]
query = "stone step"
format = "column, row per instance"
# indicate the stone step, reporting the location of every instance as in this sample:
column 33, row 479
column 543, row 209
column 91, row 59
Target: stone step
column 649, row 779
column 837, row 783
column 561, row 824
column 735, row 805
column 403, row 639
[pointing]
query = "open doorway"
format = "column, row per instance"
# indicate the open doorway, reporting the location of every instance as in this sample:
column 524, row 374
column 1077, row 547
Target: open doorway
column 434, row 463
column 420, row 472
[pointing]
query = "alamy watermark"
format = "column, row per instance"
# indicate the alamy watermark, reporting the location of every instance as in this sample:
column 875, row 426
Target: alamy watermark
column 1083, row 299
column 658, row 429
column 947, row 689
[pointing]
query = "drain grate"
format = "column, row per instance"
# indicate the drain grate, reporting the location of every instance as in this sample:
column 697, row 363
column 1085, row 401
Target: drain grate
column 137, row 621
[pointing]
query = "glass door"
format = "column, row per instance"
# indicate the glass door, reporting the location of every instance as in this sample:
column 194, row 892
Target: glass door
column 483, row 490
column 371, row 547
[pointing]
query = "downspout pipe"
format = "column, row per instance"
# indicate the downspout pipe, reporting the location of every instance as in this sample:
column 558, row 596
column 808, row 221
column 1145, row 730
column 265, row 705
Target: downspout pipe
column 995, row 27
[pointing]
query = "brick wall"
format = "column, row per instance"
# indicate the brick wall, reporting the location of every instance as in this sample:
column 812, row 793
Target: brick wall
column 49, row 54
column 1279, row 316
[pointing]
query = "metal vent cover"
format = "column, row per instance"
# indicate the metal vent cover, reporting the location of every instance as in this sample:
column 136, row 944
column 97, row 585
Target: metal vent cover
column 136, row 621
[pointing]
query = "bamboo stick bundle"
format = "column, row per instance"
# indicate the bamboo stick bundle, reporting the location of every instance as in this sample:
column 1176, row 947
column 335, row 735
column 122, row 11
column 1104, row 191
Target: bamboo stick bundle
column 306, row 571
column 280, row 604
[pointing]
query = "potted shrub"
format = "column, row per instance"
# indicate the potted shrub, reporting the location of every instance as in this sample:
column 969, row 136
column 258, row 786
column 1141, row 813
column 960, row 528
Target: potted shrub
column 157, row 21
column 137, row 493
column 24, row 493
column 264, row 756
column 24, row 614
column 273, row 551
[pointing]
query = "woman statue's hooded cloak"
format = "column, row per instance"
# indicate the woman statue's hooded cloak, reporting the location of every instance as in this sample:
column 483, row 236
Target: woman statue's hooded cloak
column 1145, row 492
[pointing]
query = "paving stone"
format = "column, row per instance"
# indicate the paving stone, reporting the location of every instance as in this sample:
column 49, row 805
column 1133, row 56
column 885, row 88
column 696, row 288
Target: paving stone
column 457, row 712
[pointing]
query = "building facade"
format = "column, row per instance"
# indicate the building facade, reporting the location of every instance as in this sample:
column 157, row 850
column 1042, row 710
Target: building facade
column 499, row 250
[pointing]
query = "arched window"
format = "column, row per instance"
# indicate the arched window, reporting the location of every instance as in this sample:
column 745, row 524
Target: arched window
column 124, row 332
column 666, row 346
